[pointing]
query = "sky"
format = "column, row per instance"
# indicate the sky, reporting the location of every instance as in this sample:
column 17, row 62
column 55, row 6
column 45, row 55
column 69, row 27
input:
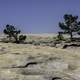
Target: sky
column 36, row 16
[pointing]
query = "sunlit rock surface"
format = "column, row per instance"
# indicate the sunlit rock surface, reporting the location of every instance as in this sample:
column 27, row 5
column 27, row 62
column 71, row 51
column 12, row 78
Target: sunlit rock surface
column 38, row 62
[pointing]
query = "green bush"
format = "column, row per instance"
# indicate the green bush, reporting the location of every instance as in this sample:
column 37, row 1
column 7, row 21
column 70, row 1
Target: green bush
column 60, row 37
column 22, row 38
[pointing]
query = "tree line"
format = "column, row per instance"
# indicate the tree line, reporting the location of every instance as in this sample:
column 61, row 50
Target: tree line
column 70, row 25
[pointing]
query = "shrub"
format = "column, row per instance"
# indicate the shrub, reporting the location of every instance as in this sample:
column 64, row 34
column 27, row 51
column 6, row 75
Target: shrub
column 60, row 37
column 22, row 38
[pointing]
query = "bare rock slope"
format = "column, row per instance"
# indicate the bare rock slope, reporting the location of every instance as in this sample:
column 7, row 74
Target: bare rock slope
column 38, row 62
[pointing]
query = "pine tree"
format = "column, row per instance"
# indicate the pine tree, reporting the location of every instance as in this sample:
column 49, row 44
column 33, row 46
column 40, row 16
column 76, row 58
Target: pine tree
column 12, row 32
column 70, row 24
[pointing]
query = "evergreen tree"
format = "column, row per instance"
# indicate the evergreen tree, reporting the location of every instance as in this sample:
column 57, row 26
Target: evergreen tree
column 12, row 32
column 70, row 24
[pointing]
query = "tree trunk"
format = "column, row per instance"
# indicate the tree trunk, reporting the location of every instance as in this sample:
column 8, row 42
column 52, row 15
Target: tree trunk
column 71, row 36
column 16, row 39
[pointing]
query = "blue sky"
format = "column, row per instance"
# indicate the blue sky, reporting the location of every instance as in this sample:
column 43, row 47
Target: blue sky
column 36, row 16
